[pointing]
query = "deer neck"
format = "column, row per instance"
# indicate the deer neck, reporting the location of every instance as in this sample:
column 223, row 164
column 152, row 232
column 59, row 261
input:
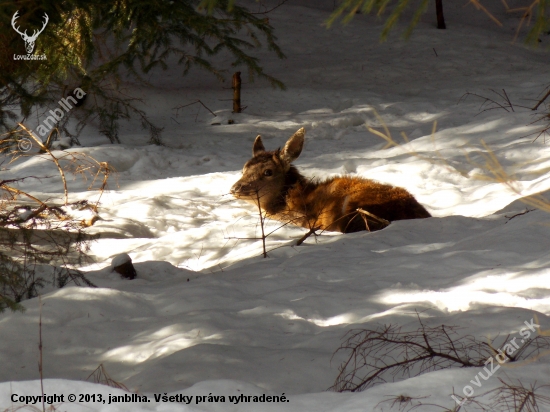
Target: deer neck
column 294, row 185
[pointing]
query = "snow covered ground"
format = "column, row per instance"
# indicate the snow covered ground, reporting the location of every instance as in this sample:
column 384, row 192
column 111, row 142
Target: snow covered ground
column 208, row 315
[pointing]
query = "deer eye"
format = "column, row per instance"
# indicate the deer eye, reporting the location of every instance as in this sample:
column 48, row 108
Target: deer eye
column 268, row 172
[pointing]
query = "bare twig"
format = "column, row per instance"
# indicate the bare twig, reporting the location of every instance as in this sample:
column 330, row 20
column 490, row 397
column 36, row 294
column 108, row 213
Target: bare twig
column 40, row 364
column 262, row 218
column 308, row 234
column 376, row 355
column 544, row 131
column 518, row 214
column 518, row 398
column 506, row 98
column 177, row 108
column 493, row 104
column 402, row 401
column 273, row 8
column 541, row 100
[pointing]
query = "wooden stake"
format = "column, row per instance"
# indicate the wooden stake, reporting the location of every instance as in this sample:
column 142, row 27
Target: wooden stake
column 237, row 92
column 439, row 12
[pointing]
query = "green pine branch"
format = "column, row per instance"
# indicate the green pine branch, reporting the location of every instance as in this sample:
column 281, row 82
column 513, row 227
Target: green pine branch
column 100, row 43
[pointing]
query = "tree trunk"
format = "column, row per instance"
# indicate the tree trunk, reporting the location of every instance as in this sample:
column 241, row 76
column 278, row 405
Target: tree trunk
column 439, row 11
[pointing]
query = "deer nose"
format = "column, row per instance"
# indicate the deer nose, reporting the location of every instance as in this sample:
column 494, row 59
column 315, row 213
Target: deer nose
column 236, row 188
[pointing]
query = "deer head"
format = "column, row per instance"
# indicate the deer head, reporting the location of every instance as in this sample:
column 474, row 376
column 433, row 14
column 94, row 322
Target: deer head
column 29, row 40
column 265, row 175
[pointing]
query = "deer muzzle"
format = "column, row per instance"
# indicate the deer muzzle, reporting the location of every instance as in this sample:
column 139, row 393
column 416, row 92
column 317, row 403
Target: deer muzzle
column 241, row 189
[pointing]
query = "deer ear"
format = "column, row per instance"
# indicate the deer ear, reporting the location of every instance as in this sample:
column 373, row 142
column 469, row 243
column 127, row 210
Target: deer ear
column 258, row 146
column 293, row 146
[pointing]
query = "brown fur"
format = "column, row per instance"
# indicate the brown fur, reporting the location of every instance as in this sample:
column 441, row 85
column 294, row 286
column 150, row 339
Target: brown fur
column 331, row 204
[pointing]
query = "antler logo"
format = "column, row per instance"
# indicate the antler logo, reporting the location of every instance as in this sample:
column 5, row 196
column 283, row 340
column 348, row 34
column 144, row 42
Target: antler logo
column 29, row 40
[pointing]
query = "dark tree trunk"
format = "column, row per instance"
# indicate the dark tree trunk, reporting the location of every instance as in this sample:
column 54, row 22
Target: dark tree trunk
column 439, row 11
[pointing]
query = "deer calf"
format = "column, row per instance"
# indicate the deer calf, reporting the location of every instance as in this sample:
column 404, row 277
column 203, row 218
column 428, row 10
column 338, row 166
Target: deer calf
column 272, row 183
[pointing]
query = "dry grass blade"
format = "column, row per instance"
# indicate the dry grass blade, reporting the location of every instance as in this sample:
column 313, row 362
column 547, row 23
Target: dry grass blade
column 481, row 7
column 528, row 13
column 100, row 375
column 54, row 159
column 367, row 215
